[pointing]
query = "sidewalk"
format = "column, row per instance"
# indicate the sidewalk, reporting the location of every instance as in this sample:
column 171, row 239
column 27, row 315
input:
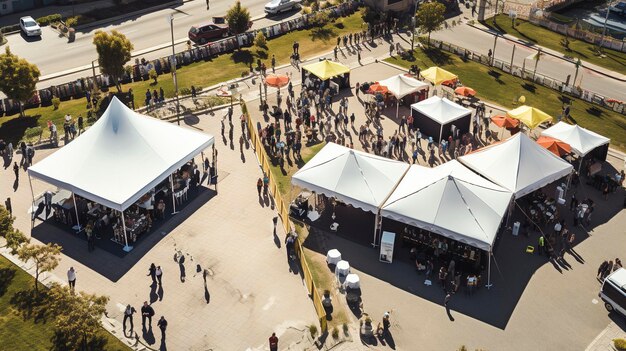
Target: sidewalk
column 65, row 11
column 604, row 341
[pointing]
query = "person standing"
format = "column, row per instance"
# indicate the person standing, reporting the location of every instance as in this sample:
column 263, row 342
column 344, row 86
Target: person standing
column 128, row 315
column 81, row 124
column 259, row 186
column 162, row 324
column 273, row 63
column 207, row 5
column 273, row 342
column 152, row 273
column 159, row 274
column 541, row 245
column 16, row 169
column 447, row 299
column 146, row 313
column 601, row 269
column 71, row 278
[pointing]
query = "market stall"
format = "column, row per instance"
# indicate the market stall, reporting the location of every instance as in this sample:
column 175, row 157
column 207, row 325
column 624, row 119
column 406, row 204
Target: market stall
column 353, row 177
column 122, row 161
column 402, row 86
column 450, row 201
column 440, row 118
column 531, row 117
column 332, row 74
column 583, row 141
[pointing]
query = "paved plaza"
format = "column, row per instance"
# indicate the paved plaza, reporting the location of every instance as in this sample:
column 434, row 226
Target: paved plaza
column 250, row 292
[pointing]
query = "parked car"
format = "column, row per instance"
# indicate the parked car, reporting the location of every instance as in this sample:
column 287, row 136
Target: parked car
column 202, row 33
column 30, row 27
column 218, row 28
column 277, row 6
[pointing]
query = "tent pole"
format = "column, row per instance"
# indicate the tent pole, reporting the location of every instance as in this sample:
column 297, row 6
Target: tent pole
column 173, row 199
column 126, row 247
column 489, row 285
column 214, row 166
column 76, row 211
column 375, row 229
column 397, row 108
column 32, row 210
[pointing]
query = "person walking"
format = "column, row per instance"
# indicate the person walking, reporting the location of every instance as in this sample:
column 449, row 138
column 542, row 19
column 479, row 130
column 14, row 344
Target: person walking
column 128, row 316
column 71, row 278
column 386, row 324
column 207, row 5
column 447, row 299
column 259, row 186
column 81, row 124
column 146, row 313
column 601, row 269
column 159, row 274
column 152, row 273
column 273, row 342
column 162, row 324
column 541, row 245
column 273, row 63
column 16, row 170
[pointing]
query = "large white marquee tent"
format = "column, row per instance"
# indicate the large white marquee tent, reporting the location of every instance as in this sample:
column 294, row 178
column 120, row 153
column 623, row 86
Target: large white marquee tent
column 582, row 140
column 518, row 164
column 357, row 178
column 121, row 157
column 450, row 200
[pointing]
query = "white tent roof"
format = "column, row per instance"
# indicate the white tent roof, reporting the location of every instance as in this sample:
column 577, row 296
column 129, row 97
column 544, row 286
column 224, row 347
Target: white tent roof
column 450, row 200
column 441, row 110
column 354, row 177
column 121, row 157
column 518, row 164
column 401, row 85
column 580, row 139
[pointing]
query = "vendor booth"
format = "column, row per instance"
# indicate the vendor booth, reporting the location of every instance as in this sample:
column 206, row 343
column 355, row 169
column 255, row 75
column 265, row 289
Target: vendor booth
column 518, row 164
column 405, row 88
column 353, row 177
column 438, row 76
column 333, row 74
column 440, row 118
column 449, row 201
column 529, row 116
column 115, row 169
column 583, row 141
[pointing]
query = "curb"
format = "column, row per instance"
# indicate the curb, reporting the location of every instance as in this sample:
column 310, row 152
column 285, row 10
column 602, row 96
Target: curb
column 544, row 50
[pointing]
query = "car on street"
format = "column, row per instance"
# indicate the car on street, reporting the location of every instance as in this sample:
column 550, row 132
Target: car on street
column 202, row 33
column 277, row 6
column 30, row 27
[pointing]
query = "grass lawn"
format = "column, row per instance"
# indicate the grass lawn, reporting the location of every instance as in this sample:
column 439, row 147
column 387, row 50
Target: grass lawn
column 614, row 60
column 503, row 89
column 18, row 333
column 283, row 179
column 199, row 74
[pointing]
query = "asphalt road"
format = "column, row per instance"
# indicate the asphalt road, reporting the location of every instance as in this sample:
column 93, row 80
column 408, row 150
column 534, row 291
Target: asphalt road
column 478, row 40
column 53, row 54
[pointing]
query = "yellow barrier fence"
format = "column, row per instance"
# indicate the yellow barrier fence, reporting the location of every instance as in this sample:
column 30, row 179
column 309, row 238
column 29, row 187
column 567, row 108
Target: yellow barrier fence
column 283, row 212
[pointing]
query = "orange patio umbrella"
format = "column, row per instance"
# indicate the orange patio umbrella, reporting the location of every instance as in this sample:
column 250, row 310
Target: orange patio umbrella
column 377, row 88
column 556, row 146
column 277, row 80
column 505, row 122
column 465, row 91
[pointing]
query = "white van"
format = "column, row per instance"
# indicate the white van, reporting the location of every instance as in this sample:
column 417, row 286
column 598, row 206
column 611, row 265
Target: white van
column 613, row 292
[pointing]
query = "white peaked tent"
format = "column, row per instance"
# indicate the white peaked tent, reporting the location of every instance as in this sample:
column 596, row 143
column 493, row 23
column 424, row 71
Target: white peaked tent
column 452, row 201
column 401, row 86
column 582, row 140
column 354, row 177
column 121, row 157
column 434, row 116
column 518, row 164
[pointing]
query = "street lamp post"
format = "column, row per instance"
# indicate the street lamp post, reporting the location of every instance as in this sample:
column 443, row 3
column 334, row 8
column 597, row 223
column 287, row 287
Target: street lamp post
column 606, row 19
column 493, row 53
column 173, row 64
column 414, row 23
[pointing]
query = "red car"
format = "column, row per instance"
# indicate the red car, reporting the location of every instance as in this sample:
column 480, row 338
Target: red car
column 218, row 28
column 202, row 33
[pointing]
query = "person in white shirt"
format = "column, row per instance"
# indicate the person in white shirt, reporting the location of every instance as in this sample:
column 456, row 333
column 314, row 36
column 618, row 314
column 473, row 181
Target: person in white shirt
column 159, row 274
column 71, row 278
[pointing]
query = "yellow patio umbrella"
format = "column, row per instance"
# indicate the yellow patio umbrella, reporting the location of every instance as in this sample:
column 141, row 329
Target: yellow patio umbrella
column 530, row 116
column 326, row 69
column 437, row 75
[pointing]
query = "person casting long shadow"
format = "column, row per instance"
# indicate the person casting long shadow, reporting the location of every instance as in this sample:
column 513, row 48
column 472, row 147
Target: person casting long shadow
column 207, row 295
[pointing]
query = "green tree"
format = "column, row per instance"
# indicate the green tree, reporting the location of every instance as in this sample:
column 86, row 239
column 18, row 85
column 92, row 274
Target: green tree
column 429, row 17
column 113, row 52
column 77, row 316
column 238, row 18
column 45, row 257
column 18, row 78
column 13, row 237
column 260, row 41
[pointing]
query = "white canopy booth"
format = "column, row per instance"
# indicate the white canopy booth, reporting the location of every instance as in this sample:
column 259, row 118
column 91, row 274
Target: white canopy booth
column 120, row 158
column 439, row 118
column 354, row 177
column 582, row 141
column 517, row 164
column 401, row 86
column 452, row 201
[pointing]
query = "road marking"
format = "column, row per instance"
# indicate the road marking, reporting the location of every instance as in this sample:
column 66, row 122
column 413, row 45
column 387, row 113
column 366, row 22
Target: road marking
column 271, row 301
column 594, row 301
